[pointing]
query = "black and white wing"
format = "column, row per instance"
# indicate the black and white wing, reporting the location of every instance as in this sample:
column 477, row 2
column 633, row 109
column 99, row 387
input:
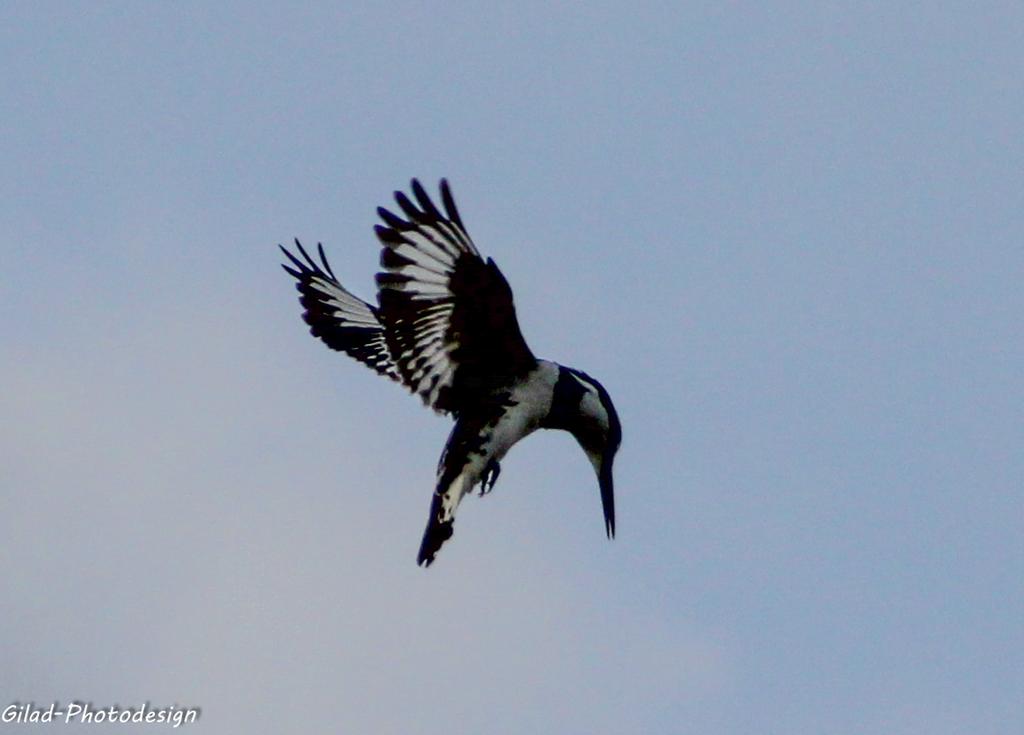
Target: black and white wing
column 342, row 321
column 448, row 316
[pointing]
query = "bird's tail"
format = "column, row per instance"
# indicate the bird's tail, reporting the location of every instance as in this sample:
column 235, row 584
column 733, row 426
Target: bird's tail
column 441, row 523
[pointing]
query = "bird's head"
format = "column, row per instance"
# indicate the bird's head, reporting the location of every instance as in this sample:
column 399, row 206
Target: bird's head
column 598, row 431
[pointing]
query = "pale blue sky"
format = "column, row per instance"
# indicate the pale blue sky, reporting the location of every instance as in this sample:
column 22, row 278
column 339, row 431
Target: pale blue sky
column 787, row 239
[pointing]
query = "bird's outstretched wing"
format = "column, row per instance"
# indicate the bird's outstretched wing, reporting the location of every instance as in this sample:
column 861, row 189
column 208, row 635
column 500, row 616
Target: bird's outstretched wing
column 344, row 322
column 448, row 316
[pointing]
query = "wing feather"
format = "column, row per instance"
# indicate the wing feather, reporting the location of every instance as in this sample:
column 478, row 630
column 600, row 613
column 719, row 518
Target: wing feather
column 448, row 316
column 445, row 325
column 340, row 319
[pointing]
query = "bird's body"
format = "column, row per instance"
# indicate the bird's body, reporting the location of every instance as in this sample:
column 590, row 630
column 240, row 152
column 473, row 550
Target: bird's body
column 446, row 328
column 479, row 441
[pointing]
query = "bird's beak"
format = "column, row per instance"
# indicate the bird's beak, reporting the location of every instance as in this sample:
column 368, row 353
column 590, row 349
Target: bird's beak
column 603, row 467
column 604, row 478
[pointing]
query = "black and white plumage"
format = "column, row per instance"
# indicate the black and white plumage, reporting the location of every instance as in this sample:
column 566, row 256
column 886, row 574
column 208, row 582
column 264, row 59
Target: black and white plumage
column 445, row 327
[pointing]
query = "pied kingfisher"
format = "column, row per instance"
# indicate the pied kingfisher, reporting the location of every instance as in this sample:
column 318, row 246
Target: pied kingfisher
column 446, row 329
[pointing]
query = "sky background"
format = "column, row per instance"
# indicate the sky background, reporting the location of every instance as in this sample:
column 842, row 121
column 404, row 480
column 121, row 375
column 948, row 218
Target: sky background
column 787, row 239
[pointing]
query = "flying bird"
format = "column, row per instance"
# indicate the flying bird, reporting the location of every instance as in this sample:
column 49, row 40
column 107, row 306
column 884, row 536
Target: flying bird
column 445, row 327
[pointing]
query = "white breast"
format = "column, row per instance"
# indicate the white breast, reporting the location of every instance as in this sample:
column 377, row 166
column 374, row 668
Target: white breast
column 532, row 397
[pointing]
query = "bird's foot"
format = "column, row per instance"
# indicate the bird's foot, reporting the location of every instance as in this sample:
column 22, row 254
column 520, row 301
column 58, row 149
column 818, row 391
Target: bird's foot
column 490, row 477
